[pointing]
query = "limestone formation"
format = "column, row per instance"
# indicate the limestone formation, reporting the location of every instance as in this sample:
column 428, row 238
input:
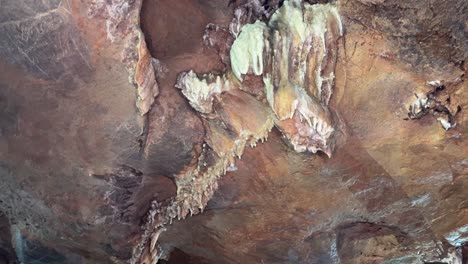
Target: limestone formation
column 233, row 131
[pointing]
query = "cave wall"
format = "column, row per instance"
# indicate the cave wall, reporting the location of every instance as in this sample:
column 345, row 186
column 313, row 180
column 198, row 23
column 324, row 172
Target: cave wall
column 96, row 140
column 69, row 115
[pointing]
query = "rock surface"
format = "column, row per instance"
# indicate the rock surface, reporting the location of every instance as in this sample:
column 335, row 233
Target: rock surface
column 97, row 144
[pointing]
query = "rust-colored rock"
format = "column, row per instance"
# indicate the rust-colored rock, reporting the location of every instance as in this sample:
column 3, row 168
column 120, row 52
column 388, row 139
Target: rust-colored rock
column 135, row 131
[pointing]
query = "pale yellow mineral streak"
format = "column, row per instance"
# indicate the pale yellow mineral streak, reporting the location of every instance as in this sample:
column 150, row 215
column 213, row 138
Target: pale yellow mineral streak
column 247, row 51
column 200, row 91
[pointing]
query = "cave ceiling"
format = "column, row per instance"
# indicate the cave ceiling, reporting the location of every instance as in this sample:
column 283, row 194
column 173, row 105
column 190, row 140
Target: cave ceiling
column 233, row 131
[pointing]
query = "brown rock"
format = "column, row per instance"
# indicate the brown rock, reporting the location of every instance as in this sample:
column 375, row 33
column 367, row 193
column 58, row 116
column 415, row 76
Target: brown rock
column 100, row 153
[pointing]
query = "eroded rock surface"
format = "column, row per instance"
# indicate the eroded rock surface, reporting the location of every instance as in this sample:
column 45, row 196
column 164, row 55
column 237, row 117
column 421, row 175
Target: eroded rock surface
column 133, row 131
column 68, row 116
column 381, row 212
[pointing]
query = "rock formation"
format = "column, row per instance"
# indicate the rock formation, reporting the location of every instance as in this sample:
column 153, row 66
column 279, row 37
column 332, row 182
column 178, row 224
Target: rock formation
column 233, row 131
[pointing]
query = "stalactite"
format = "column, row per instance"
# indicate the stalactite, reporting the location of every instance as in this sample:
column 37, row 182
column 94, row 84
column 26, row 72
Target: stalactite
column 295, row 55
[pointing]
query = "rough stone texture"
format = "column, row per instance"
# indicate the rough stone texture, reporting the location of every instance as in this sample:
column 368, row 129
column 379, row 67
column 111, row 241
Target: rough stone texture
column 383, row 196
column 68, row 114
column 80, row 167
